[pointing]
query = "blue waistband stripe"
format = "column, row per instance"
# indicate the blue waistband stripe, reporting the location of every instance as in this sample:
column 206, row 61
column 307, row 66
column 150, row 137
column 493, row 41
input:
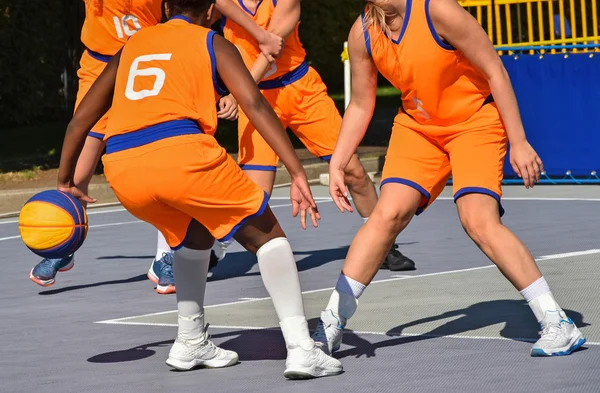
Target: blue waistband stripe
column 286, row 79
column 151, row 134
column 99, row 56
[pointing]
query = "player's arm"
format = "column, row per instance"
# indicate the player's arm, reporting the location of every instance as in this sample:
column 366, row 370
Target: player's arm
column 283, row 23
column 462, row 31
column 270, row 44
column 94, row 105
column 238, row 80
column 362, row 102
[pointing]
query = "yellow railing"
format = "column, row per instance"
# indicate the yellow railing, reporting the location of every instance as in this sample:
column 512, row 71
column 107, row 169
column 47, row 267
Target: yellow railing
column 538, row 25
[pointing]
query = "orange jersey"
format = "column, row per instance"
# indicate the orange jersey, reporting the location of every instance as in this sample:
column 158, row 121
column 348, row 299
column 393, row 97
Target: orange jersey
column 109, row 23
column 439, row 85
column 166, row 72
column 293, row 54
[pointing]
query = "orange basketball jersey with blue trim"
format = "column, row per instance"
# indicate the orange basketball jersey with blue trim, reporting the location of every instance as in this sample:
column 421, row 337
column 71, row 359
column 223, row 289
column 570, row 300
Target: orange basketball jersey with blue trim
column 109, row 23
column 439, row 85
column 293, row 54
column 166, row 72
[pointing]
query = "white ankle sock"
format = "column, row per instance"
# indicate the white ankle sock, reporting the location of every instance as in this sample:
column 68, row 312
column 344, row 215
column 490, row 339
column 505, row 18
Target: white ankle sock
column 540, row 299
column 190, row 268
column 280, row 277
column 162, row 247
column 365, row 219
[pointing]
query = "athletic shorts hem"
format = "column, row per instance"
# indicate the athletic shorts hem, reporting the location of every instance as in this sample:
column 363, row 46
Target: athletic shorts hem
column 326, row 158
column 96, row 135
column 187, row 233
column 250, row 167
column 412, row 184
column 480, row 190
column 261, row 210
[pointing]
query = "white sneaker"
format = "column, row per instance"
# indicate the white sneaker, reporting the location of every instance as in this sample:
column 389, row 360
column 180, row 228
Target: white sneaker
column 201, row 352
column 559, row 336
column 310, row 362
column 329, row 332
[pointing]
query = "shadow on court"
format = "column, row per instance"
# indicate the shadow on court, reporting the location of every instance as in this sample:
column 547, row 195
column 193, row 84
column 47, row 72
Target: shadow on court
column 268, row 344
column 520, row 325
column 240, row 264
column 141, row 277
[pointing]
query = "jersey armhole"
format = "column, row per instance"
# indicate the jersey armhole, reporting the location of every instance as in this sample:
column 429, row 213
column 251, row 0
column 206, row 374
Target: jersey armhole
column 366, row 34
column 219, row 85
column 434, row 33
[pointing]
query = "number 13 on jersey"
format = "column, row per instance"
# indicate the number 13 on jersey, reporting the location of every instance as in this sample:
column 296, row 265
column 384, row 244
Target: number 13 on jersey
column 158, row 74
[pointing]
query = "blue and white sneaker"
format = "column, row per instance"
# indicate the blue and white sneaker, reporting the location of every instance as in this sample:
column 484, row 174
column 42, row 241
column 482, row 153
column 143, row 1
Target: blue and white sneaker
column 44, row 272
column 559, row 336
column 329, row 332
column 161, row 273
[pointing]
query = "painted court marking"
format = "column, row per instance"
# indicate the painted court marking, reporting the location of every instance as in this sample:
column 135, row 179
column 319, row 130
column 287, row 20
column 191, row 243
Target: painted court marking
column 128, row 320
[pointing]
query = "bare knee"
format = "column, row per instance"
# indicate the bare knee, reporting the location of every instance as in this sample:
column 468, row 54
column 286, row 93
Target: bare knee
column 258, row 231
column 392, row 219
column 478, row 227
column 198, row 237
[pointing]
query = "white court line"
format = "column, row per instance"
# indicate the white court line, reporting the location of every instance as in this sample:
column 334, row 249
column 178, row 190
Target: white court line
column 543, row 258
column 137, row 221
column 358, row 332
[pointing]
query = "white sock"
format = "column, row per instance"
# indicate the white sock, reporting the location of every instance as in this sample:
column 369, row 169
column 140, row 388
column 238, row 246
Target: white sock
column 540, row 299
column 365, row 219
column 343, row 301
column 162, row 247
column 190, row 268
column 280, row 276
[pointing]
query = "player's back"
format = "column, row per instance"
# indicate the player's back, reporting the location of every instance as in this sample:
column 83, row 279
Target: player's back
column 166, row 72
column 109, row 23
column 293, row 54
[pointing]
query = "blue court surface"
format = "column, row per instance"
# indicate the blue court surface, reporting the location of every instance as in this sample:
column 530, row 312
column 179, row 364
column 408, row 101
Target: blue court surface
column 453, row 325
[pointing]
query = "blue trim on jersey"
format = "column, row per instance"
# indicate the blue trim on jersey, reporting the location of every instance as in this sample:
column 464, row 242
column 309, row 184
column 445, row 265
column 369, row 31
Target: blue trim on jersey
column 247, row 10
column 412, row 184
column 326, row 158
column 182, row 17
column 152, row 134
column 221, row 90
column 99, row 56
column 366, row 34
column 405, row 23
column 479, row 190
column 96, row 135
column 286, row 79
column 435, row 35
column 261, row 210
column 266, row 168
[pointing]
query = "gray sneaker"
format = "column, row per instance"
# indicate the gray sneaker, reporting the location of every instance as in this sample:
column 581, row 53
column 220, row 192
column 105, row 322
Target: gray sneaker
column 559, row 336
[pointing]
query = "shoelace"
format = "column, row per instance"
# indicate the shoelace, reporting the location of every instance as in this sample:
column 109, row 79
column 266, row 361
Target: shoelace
column 551, row 330
column 167, row 269
column 394, row 251
column 320, row 336
column 51, row 264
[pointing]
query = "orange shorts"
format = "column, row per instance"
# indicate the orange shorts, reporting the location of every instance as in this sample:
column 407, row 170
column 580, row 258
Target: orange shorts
column 306, row 109
column 91, row 66
column 182, row 177
column 425, row 156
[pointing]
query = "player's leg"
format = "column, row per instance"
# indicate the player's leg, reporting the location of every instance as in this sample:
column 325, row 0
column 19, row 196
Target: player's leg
column 44, row 273
column 232, row 205
column 316, row 121
column 409, row 185
column 477, row 191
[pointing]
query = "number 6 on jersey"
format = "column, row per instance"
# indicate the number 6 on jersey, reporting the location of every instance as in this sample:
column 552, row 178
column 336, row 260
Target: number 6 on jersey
column 134, row 72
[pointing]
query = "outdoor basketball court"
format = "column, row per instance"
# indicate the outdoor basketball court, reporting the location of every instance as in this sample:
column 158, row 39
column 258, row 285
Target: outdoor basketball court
column 453, row 325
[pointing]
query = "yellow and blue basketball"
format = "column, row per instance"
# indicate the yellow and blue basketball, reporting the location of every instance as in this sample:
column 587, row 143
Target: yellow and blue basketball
column 53, row 224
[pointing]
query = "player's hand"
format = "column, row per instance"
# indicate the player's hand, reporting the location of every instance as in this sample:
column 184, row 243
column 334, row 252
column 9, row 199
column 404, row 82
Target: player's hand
column 526, row 163
column 228, row 108
column 76, row 192
column 303, row 201
column 338, row 189
column 271, row 46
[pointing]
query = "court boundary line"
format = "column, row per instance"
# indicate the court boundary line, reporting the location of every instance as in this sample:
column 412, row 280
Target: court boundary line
column 123, row 321
column 358, row 332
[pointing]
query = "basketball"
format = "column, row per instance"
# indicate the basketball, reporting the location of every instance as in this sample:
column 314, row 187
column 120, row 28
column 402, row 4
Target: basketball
column 53, row 224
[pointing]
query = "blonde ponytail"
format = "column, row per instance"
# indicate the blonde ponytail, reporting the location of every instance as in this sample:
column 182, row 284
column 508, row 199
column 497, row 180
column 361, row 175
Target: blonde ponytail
column 376, row 16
